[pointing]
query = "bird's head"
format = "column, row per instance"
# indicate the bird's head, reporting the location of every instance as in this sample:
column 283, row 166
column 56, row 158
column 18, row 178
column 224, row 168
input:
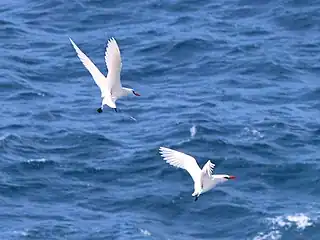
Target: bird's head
column 127, row 91
column 223, row 177
column 228, row 177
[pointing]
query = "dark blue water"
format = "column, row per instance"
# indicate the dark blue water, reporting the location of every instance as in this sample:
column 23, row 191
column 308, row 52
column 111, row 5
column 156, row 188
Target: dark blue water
column 234, row 81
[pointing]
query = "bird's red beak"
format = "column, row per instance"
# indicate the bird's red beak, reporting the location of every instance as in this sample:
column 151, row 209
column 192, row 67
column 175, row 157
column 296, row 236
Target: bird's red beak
column 232, row 177
column 137, row 94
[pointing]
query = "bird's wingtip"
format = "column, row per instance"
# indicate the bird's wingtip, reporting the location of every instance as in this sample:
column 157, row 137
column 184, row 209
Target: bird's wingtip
column 162, row 150
column 71, row 40
column 211, row 163
column 112, row 40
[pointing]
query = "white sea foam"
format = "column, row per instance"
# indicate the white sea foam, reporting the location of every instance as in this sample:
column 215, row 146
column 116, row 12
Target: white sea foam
column 37, row 160
column 145, row 232
column 193, row 131
column 251, row 132
column 134, row 119
column 20, row 233
column 273, row 235
column 299, row 221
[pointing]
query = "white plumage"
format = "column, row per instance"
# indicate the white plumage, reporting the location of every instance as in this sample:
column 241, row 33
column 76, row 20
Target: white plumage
column 110, row 86
column 202, row 178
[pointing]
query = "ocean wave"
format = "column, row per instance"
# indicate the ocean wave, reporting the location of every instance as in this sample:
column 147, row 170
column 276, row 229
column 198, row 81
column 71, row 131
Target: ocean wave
column 30, row 95
column 280, row 224
column 234, row 82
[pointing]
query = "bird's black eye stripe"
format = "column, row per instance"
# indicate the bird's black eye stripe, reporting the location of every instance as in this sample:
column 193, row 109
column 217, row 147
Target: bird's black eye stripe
column 226, row 177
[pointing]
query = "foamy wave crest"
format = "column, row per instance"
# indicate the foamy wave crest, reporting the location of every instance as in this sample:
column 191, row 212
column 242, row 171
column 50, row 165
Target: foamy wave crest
column 273, row 235
column 299, row 221
column 253, row 132
column 145, row 232
column 250, row 134
column 193, row 131
column 37, row 160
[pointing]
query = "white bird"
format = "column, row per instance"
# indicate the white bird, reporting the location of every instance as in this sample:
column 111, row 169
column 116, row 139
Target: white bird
column 202, row 178
column 110, row 86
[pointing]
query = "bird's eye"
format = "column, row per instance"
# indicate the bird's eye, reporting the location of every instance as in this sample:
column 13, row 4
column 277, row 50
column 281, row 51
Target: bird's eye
column 226, row 177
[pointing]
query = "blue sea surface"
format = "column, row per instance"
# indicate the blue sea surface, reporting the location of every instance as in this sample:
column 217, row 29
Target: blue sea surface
column 233, row 81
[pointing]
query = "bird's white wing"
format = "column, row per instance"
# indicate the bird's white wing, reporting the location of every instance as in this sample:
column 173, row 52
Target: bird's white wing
column 206, row 175
column 181, row 160
column 208, row 169
column 114, row 65
column 97, row 76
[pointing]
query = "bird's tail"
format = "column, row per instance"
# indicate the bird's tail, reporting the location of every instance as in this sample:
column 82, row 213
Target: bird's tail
column 107, row 100
column 197, row 188
column 196, row 192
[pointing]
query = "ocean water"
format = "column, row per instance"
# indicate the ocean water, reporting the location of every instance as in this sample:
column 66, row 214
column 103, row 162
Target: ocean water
column 234, row 81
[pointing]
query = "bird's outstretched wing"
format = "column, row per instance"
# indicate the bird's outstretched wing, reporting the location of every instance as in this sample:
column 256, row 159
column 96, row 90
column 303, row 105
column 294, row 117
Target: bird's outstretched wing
column 208, row 168
column 181, row 160
column 114, row 65
column 97, row 76
column 206, row 174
